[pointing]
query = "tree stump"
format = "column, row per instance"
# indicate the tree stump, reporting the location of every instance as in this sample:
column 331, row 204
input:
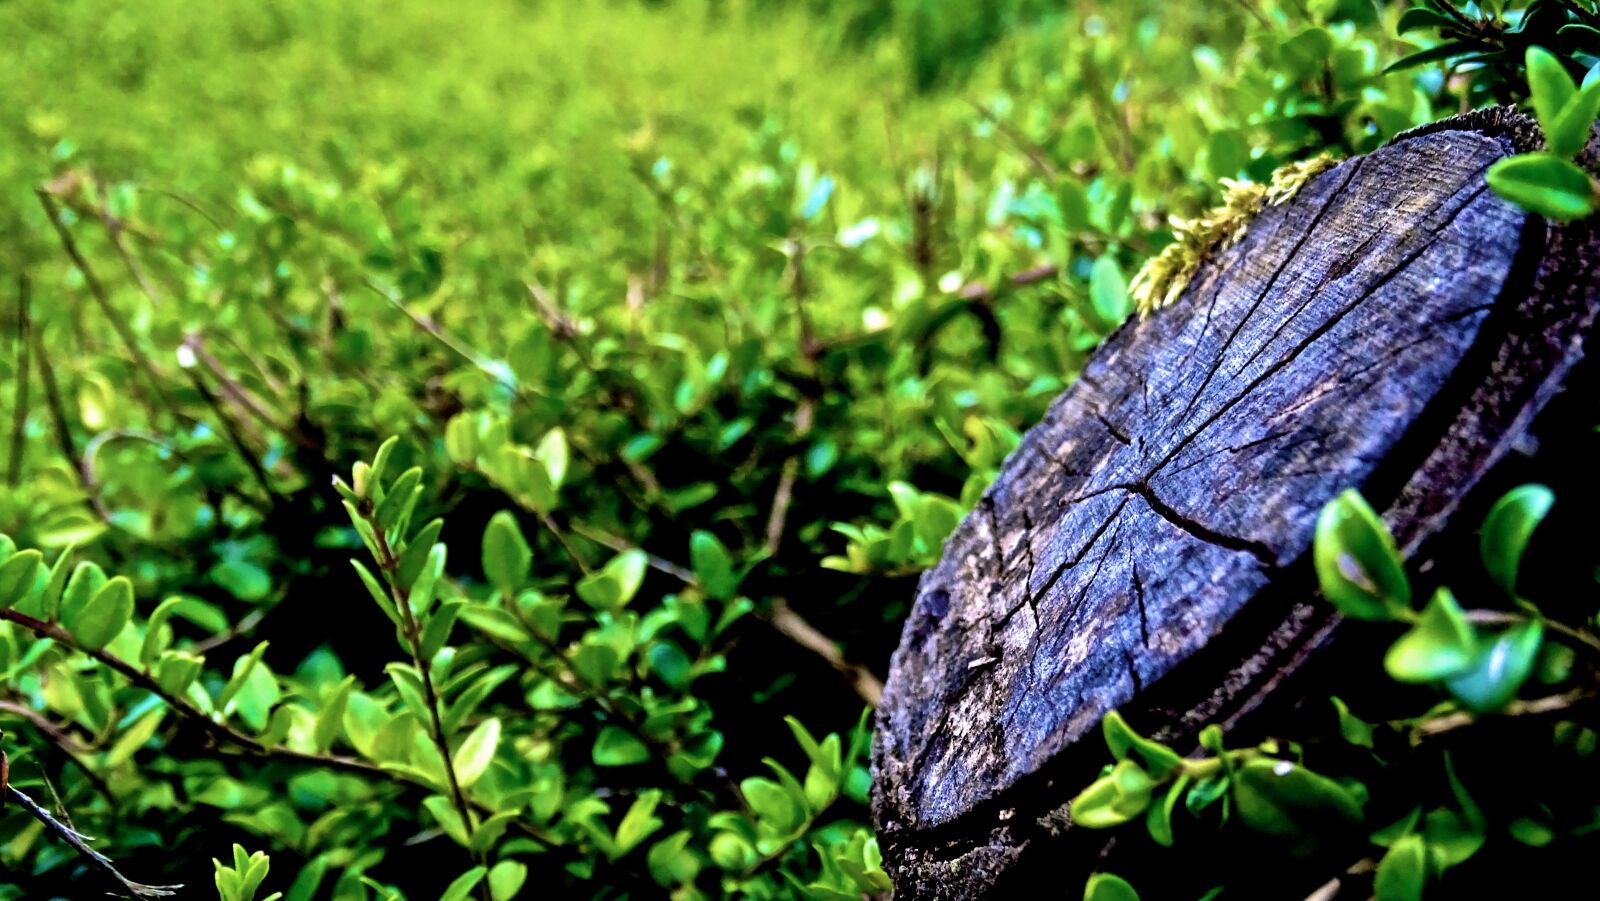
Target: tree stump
column 1395, row 328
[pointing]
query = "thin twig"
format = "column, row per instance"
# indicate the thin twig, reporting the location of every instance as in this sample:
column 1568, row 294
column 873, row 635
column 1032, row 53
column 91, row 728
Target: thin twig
column 65, row 742
column 389, row 564
column 1549, row 704
column 220, row 732
column 1031, row 150
column 97, row 290
column 19, row 413
column 794, row 627
column 804, row 416
column 80, row 844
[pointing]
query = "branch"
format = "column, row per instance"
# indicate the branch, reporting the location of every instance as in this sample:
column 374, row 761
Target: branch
column 1551, row 704
column 98, row 291
column 794, row 627
column 220, row 732
column 79, row 843
column 19, row 413
column 65, row 742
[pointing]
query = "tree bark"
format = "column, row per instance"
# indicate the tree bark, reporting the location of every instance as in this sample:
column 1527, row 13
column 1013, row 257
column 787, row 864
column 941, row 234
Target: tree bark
column 1396, row 328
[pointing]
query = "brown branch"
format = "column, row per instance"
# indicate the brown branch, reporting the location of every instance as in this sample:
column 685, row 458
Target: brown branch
column 58, row 417
column 220, row 732
column 804, row 417
column 68, row 744
column 1550, row 704
column 794, row 627
column 978, row 291
column 114, row 229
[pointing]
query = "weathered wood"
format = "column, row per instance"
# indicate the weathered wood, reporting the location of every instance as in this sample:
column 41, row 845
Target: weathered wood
column 1395, row 328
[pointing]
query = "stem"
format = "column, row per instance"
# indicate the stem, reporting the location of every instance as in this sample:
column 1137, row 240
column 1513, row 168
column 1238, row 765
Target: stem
column 220, row 732
column 65, row 742
column 794, row 627
column 98, row 291
column 19, row 413
column 1508, row 618
column 1550, row 704
column 72, row 837
column 389, row 564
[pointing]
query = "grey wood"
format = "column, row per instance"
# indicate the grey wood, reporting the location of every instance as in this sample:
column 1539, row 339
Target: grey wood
column 1395, row 327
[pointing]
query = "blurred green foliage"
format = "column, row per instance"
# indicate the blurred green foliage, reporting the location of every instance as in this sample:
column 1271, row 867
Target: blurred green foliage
column 700, row 324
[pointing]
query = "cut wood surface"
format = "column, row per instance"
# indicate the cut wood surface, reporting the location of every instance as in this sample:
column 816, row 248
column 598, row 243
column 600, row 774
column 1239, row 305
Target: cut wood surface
column 1394, row 328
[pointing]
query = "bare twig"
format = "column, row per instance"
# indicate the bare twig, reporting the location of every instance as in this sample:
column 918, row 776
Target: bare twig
column 97, row 290
column 80, row 844
column 1031, row 150
column 804, row 416
column 1550, row 704
column 794, row 627
column 19, row 412
column 68, row 744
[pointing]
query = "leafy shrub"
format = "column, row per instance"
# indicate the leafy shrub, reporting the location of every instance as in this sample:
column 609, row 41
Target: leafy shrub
column 696, row 350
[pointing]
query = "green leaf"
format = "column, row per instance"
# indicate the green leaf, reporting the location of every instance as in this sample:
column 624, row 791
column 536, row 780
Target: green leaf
column 437, row 631
column 638, row 824
column 1418, row 18
column 87, row 579
column 1549, row 85
column 1358, row 566
column 552, row 452
column 507, row 558
column 373, row 475
column 399, row 500
column 615, row 746
column 1431, row 55
column 416, row 554
column 243, row 579
column 1450, row 838
column 1108, row 291
column 1499, row 668
column 105, row 616
column 713, row 566
column 330, row 722
column 670, row 861
column 1441, row 645
column 379, row 593
column 1548, row 185
column 1283, row 798
column 613, row 586
column 154, row 643
column 1106, row 887
column 506, row 879
column 1355, row 730
column 1114, row 798
column 1158, row 819
column 50, row 600
column 419, row 598
column 461, row 888
column 778, row 808
column 1156, row 758
column 1507, row 529
column 472, row 759
column 17, row 577
column 1402, row 871
column 1569, row 132
column 176, row 671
